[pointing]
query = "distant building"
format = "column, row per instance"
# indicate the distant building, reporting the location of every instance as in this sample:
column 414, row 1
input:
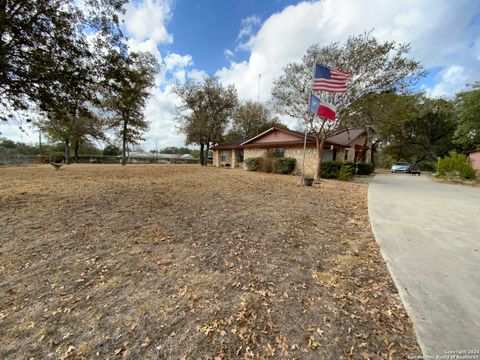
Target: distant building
column 474, row 156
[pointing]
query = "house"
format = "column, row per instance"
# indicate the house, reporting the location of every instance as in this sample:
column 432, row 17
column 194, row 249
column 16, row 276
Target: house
column 347, row 145
column 474, row 156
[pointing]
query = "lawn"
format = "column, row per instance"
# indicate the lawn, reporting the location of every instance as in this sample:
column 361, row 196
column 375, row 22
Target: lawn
column 172, row 261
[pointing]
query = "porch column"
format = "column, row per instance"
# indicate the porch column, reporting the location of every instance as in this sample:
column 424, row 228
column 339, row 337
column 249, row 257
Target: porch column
column 234, row 159
column 216, row 158
column 351, row 154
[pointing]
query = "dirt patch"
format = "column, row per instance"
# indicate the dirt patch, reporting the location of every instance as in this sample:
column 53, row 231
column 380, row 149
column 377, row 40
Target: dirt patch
column 171, row 261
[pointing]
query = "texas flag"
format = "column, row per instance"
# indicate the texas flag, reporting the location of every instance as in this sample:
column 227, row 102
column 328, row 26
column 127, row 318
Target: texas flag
column 322, row 108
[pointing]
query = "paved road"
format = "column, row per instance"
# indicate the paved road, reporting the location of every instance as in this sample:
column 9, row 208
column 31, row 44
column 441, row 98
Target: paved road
column 429, row 234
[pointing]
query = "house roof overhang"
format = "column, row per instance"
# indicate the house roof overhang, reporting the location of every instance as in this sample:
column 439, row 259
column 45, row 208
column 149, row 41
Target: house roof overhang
column 341, row 139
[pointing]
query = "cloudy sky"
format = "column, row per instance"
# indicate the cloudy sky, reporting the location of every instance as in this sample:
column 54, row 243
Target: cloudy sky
column 239, row 39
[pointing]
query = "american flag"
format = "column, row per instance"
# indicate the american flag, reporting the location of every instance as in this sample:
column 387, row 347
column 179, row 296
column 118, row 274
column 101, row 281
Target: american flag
column 329, row 79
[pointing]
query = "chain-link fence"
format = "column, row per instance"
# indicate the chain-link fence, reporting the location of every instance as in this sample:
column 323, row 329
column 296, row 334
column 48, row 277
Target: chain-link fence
column 13, row 157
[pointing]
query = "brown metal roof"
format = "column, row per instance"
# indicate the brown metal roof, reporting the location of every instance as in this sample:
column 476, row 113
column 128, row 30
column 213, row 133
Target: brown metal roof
column 229, row 144
column 345, row 137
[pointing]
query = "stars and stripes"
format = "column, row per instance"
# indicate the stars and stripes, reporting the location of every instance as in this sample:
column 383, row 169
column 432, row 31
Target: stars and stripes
column 329, row 79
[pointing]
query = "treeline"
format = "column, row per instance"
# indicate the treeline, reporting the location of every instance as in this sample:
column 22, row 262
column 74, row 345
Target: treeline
column 68, row 62
column 55, row 150
column 416, row 128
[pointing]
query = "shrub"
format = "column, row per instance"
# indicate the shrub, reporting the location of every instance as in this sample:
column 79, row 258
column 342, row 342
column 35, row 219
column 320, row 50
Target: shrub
column 266, row 164
column 337, row 170
column 253, row 163
column 427, row 165
column 330, row 169
column 346, row 171
column 365, row 169
column 284, row 165
column 454, row 165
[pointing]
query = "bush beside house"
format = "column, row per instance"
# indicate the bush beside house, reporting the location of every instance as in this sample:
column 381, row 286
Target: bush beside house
column 252, row 163
column 268, row 164
column 365, row 169
column 455, row 165
column 285, row 165
column 337, row 170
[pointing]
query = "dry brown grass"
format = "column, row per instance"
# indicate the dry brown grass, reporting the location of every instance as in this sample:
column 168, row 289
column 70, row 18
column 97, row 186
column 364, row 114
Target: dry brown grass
column 160, row 261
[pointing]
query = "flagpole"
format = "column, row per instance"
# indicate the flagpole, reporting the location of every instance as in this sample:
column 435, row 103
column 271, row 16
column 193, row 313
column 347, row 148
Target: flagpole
column 306, row 123
column 304, row 151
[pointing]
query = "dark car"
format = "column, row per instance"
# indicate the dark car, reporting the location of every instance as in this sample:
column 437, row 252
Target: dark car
column 414, row 170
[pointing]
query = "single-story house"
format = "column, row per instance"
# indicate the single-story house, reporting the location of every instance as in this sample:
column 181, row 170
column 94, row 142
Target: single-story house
column 474, row 156
column 347, row 145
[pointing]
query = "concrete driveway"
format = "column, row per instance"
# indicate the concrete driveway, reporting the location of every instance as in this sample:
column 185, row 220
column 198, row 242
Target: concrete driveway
column 429, row 234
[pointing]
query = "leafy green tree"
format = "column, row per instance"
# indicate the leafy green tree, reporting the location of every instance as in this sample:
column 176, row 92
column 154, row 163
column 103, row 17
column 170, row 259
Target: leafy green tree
column 467, row 106
column 250, row 119
column 111, row 150
column 405, row 127
column 38, row 37
column 8, row 144
column 175, row 150
column 204, row 112
column 126, row 89
column 75, row 127
column 71, row 70
column 376, row 67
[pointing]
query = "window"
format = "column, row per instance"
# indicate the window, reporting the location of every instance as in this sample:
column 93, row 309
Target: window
column 345, row 157
column 239, row 155
column 276, row 152
column 223, row 155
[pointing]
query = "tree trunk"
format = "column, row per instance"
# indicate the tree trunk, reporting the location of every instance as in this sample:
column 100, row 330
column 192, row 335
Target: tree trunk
column 67, row 151
column 373, row 149
column 320, row 141
column 124, row 143
column 75, row 149
column 206, row 153
column 202, row 154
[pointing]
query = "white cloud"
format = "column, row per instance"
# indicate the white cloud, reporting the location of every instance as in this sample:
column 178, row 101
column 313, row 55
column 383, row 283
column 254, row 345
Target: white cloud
column 160, row 113
column 248, row 26
column 146, row 20
column 440, row 33
column 228, row 53
column 453, row 79
column 197, row 75
column 176, row 61
column 147, row 45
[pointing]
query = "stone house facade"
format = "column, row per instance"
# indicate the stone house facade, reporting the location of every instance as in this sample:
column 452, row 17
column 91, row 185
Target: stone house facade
column 348, row 145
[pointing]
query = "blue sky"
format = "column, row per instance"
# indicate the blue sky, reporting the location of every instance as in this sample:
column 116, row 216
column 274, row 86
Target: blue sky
column 238, row 40
column 195, row 23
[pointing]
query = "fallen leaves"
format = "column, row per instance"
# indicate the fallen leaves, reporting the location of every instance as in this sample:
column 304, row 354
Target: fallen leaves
column 256, row 264
column 146, row 342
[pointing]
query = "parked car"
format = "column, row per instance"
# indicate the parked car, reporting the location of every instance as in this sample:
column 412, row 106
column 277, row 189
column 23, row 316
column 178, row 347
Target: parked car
column 400, row 167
